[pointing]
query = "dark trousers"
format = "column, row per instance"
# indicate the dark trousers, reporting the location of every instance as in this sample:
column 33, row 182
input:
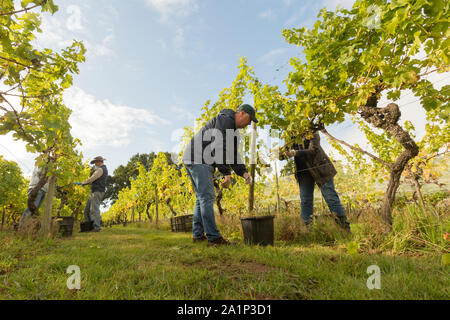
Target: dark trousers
column 307, row 183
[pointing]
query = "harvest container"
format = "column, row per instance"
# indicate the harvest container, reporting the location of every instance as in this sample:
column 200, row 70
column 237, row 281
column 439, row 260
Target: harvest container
column 182, row 223
column 86, row 226
column 258, row 230
column 65, row 225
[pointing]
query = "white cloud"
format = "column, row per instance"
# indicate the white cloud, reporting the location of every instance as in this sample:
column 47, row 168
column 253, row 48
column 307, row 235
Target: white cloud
column 332, row 4
column 54, row 33
column 170, row 8
column 267, row 14
column 179, row 41
column 59, row 30
column 102, row 49
column 163, row 44
column 270, row 56
column 13, row 150
column 297, row 17
column 180, row 109
column 99, row 124
column 102, row 123
column 74, row 21
column 170, row 12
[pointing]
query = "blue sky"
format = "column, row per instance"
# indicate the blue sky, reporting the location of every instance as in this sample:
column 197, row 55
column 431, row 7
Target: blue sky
column 152, row 64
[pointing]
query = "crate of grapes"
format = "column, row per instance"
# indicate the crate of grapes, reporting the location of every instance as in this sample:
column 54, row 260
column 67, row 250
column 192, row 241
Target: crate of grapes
column 182, row 223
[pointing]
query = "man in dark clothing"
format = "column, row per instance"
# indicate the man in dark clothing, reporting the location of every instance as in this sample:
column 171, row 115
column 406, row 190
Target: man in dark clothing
column 98, row 188
column 215, row 146
column 35, row 178
column 312, row 166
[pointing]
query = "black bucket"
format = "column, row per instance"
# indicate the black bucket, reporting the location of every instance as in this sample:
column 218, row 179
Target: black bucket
column 66, row 226
column 258, row 230
column 86, row 226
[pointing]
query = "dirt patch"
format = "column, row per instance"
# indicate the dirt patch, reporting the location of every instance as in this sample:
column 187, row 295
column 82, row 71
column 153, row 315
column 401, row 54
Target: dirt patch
column 236, row 268
column 255, row 267
column 31, row 227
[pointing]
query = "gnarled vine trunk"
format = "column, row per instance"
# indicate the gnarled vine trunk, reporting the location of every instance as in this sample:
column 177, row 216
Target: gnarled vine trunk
column 387, row 119
column 147, row 211
column 34, row 192
column 170, row 207
column 219, row 196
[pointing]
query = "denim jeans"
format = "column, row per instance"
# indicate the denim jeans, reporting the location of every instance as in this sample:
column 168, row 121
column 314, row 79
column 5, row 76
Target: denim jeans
column 37, row 202
column 306, row 183
column 92, row 209
column 204, row 221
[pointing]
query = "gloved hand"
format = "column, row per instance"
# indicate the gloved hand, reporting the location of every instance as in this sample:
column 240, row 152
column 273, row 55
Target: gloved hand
column 290, row 153
column 248, row 178
column 226, row 182
column 78, row 183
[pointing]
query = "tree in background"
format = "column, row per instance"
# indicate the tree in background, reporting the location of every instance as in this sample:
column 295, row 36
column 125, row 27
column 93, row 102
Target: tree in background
column 163, row 190
column 123, row 175
column 12, row 191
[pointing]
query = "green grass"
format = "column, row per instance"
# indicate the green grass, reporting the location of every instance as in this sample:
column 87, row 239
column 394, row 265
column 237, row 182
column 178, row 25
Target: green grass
column 138, row 262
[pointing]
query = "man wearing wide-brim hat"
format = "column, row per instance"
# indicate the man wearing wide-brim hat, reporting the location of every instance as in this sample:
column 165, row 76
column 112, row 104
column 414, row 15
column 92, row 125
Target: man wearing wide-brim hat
column 98, row 188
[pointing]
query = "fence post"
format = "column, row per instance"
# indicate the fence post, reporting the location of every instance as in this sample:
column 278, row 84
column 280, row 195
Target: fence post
column 156, row 203
column 278, row 188
column 47, row 216
column 251, row 195
column 3, row 217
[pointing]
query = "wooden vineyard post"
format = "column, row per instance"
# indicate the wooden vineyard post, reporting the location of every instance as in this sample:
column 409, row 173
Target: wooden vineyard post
column 278, row 188
column 251, row 195
column 156, row 204
column 323, row 204
column 3, row 217
column 47, row 216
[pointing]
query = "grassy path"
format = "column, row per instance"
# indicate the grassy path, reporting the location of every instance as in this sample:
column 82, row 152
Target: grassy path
column 140, row 263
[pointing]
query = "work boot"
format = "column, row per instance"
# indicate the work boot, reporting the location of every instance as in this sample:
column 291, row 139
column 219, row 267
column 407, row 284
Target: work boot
column 203, row 238
column 308, row 225
column 343, row 223
column 218, row 242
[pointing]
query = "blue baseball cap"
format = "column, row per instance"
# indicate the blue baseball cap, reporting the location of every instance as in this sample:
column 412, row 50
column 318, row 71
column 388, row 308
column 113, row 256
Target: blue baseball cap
column 250, row 110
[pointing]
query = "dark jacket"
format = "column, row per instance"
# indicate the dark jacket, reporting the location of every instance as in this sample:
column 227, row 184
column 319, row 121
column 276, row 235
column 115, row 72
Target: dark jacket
column 99, row 185
column 311, row 157
column 230, row 159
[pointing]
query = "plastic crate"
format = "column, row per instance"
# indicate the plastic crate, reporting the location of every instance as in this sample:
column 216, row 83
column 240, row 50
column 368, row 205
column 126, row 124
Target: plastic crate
column 182, row 223
column 66, row 226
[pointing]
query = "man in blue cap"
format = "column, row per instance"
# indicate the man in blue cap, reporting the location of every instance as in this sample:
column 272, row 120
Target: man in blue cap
column 215, row 145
